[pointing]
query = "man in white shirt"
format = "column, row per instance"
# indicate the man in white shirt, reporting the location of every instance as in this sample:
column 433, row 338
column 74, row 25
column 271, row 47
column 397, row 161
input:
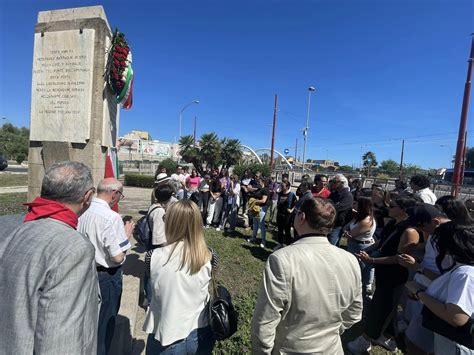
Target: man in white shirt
column 110, row 237
column 311, row 290
column 420, row 185
column 179, row 181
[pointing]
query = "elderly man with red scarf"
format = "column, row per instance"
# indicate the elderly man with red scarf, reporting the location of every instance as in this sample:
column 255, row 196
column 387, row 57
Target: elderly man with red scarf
column 49, row 296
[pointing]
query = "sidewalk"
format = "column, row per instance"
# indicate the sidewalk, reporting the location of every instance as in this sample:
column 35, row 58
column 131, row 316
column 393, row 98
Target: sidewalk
column 13, row 189
column 128, row 337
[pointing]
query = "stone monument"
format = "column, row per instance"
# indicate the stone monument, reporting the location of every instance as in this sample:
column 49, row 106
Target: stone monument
column 74, row 115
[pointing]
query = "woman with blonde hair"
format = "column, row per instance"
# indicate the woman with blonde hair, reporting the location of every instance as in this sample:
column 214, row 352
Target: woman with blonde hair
column 180, row 272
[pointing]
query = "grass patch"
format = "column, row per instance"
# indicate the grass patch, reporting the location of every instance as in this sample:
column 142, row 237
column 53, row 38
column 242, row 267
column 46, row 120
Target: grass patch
column 12, row 203
column 240, row 270
column 13, row 180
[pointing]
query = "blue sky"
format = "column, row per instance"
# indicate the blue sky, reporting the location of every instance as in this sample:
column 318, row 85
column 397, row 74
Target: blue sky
column 384, row 70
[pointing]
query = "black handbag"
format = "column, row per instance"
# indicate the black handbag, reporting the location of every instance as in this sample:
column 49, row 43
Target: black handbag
column 463, row 335
column 222, row 315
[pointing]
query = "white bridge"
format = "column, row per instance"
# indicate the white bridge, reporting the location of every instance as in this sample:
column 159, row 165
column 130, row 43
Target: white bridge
column 254, row 153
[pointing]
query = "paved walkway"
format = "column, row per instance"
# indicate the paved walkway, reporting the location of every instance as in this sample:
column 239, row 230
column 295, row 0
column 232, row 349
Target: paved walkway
column 129, row 337
column 13, row 189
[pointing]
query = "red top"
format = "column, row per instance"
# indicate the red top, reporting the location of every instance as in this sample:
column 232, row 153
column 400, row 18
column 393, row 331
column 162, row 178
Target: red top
column 324, row 193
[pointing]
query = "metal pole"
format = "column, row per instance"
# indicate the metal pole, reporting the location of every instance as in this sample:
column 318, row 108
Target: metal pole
column 462, row 125
column 401, row 160
column 195, row 118
column 273, row 133
column 464, row 158
column 305, row 131
column 296, row 151
column 181, row 115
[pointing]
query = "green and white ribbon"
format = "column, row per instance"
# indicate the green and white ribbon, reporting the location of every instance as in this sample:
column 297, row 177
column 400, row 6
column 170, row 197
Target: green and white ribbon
column 126, row 89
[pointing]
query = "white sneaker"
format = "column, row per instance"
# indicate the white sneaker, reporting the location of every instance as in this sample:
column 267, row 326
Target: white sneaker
column 218, row 229
column 386, row 343
column 359, row 345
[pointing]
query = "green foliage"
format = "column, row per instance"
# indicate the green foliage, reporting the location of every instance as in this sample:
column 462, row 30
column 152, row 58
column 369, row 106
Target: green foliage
column 469, row 158
column 211, row 152
column 139, row 180
column 389, row 167
column 346, row 168
column 254, row 167
column 169, row 164
column 369, row 161
column 14, row 142
column 231, row 152
column 20, row 157
column 412, row 169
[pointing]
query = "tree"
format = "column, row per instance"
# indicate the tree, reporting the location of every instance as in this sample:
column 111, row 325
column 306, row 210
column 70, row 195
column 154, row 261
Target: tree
column 254, row 167
column 211, row 152
column 469, row 158
column 169, row 164
column 231, row 152
column 369, row 161
column 389, row 167
column 14, row 142
column 346, row 168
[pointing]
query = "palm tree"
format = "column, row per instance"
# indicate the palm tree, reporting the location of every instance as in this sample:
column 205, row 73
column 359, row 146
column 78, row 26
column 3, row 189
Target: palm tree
column 369, row 161
column 189, row 152
column 231, row 152
column 210, row 147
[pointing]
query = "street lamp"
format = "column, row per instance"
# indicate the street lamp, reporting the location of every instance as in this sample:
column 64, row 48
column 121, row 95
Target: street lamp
column 305, row 130
column 181, row 114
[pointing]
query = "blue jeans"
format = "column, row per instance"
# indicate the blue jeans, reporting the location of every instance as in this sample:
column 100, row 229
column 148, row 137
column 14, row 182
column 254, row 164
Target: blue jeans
column 111, row 293
column 366, row 269
column 259, row 221
column 335, row 235
column 200, row 342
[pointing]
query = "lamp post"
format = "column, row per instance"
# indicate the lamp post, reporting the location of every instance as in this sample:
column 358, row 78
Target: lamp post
column 305, row 130
column 181, row 115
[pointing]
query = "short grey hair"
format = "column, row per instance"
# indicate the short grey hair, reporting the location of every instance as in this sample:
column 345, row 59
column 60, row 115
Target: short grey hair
column 66, row 182
column 343, row 179
column 108, row 185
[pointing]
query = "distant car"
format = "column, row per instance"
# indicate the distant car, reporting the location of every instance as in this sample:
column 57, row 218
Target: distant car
column 3, row 163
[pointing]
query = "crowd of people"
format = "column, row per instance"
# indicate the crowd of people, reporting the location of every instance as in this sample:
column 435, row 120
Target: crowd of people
column 394, row 259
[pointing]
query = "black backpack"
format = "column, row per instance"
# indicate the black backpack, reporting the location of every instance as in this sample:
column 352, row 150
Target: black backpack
column 143, row 232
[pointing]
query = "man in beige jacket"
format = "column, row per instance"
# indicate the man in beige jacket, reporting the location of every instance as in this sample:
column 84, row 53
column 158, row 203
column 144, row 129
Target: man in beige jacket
column 311, row 290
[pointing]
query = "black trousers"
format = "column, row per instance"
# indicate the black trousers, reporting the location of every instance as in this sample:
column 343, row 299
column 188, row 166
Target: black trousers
column 284, row 228
column 382, row 310
column 203, row 203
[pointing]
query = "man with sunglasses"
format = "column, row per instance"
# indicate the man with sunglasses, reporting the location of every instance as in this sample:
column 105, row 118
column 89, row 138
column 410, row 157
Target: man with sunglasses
column 311, row 291
column 110, row 237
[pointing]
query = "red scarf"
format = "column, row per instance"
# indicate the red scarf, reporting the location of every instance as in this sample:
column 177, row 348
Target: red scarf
column 44, row 208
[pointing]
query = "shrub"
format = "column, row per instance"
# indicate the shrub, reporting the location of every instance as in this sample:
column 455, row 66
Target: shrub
column 139, row 180
column 20, row 158
column 169, row 164
column 254, row 167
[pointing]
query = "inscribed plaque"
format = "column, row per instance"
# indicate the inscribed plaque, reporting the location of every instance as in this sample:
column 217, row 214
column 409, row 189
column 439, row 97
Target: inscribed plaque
column 62, row 86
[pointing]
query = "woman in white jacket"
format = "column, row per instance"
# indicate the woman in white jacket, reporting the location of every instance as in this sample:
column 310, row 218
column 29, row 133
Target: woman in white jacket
column 180, row 272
